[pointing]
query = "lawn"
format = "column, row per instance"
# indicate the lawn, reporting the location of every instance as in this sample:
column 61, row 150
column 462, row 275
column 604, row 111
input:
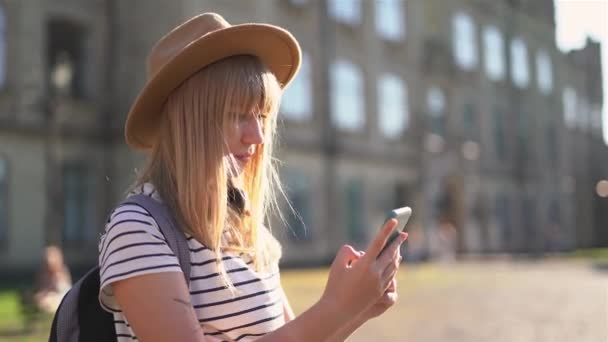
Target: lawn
column 594, row 254
column 427, row 292
column 13, row 326
column 303, row 287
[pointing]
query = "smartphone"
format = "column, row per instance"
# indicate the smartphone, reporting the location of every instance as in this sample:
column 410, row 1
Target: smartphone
column 402, row 215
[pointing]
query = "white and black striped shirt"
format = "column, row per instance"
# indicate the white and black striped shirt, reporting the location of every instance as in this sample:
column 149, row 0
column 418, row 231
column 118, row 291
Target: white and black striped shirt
column 133, row 245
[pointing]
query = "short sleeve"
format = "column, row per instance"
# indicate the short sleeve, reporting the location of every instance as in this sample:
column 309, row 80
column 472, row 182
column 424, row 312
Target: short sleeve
column 132, row 245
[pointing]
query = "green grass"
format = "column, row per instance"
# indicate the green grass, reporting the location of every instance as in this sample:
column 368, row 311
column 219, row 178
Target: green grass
column 594, row 254
column 303, row 288
column 9, row 310
column 13, row 324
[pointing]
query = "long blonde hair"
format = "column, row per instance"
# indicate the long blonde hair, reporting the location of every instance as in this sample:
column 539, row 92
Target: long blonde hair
column 187, row 164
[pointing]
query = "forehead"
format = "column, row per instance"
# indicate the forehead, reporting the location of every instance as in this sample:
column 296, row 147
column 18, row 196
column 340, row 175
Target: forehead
column 253, row 92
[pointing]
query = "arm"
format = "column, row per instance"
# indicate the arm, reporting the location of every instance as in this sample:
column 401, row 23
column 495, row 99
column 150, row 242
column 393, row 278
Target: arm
column 340, row 335
column 388, row 299
column 170, row 316
column 343, row 333
column 158, row 305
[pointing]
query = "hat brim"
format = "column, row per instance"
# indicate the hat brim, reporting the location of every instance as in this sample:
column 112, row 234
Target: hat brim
column 274, row 46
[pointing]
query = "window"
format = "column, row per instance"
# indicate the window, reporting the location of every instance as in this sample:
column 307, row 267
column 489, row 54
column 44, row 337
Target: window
column 544, row 72
column 347, row 106
column 3, row 50
column 298, row 192
column 65, row 59
column 553, row 214
column 296, row 103
column 435, row 102
column 298, row 2
column 551, row 139
column 469, row 122
column 345, row 11
column 3, row 199
column 519, row 63
column 464, row 43
column 499, row 135
column 494, row 53
column 355, row 219
column 596, row 118
column 503, row 217
column 78, row 208
column 582, row 114
column 522, row 136
column 569, row 104
column 390, row 19
column 530, row 228
column 393, row 105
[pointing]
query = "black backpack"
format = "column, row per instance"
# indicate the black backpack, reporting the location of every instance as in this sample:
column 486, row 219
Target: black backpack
column 80, row 316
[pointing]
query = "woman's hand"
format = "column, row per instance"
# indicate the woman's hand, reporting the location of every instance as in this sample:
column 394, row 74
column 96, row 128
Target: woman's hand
column 353, row 288
column 386, row 301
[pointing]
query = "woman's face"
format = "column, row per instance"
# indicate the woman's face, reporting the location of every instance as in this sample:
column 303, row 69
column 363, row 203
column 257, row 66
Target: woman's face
column 243, row 139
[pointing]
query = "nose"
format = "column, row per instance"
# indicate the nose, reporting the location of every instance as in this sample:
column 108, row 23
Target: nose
column 254, row 132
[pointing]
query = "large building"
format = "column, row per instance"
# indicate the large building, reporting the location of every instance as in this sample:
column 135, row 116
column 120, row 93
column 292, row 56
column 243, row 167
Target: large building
column 464, row 110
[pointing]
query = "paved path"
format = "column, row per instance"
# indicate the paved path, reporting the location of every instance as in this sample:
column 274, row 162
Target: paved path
column 545, row 301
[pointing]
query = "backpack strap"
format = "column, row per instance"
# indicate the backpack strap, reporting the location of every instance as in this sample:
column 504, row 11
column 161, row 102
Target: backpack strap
column 174, row 236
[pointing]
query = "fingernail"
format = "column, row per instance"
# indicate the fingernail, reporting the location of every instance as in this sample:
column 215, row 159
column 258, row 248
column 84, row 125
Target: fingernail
column 403, row 237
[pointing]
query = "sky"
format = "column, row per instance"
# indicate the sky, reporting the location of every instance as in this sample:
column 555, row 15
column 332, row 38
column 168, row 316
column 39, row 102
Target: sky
column 577, row 19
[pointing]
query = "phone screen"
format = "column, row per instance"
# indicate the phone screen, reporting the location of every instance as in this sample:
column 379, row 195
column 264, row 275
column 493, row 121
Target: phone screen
column 402, row 215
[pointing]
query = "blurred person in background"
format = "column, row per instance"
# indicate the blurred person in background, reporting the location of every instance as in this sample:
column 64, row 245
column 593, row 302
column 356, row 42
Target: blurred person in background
column 53, row 281
column 206, row 119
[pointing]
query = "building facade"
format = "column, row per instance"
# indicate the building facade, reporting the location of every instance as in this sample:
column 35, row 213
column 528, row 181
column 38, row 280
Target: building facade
column 464, row 110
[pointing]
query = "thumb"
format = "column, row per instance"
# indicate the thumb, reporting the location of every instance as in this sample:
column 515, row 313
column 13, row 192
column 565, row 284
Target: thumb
column 346, row 254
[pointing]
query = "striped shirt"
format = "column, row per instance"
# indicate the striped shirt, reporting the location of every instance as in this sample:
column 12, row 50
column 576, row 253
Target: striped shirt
column 133, row 245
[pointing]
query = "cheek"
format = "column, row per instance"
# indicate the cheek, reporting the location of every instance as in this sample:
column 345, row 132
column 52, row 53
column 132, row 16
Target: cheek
column 233, row 137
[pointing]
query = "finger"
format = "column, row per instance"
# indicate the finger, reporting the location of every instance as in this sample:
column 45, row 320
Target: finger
column 359, row 255
column 391, row 253
column 388, row 298
column 392, row 297
column 388, row 274
column 346, row 255
column 391, row 287
column 380, row 240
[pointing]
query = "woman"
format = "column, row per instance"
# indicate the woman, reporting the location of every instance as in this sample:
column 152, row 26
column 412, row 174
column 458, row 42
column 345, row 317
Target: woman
column 206, row 118
column 54, row 280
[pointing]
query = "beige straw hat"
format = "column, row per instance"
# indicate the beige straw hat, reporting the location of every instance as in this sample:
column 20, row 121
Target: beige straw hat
column 195, row 44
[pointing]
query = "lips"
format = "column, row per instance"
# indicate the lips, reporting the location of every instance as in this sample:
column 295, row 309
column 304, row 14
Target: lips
column 243, row 157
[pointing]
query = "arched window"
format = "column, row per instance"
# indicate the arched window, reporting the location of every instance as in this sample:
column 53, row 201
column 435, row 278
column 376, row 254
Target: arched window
column 519, row 63
column 296, row 104
column 390, row 19
column 393, row 107
column 347, row 12
column 494, row 53
column 544, row 72
column 66, row 58
column 435, row 102
column 348, row 104
column 464, row 43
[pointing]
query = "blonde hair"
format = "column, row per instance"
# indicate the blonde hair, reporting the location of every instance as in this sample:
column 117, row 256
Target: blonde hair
column 187, row 163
